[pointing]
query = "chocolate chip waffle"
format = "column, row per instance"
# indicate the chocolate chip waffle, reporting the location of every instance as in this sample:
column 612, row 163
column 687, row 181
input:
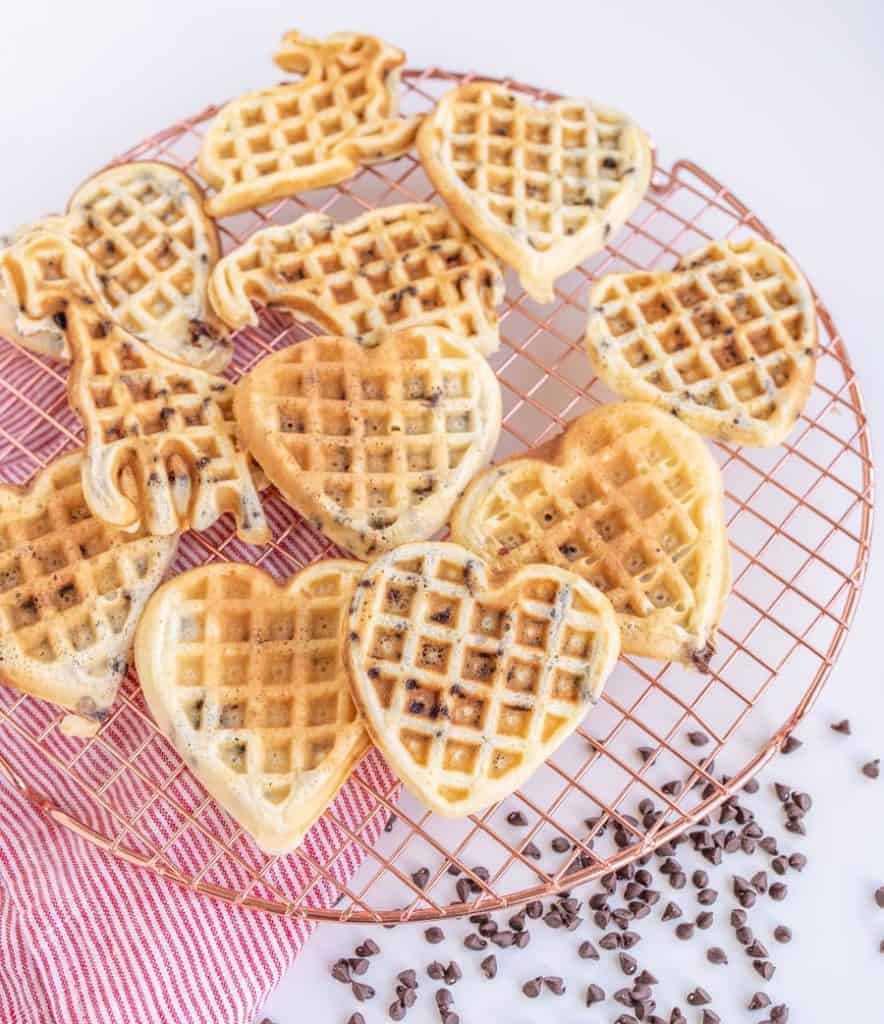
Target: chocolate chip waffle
column 308, row 134
column 542, row 187
column 372, row 444
column 383, row 271
column 629, row 499
column 71, row 591
column 162, row 447
column 247, row 680
column 726, row 341
column 154, row 248
column 466, row 688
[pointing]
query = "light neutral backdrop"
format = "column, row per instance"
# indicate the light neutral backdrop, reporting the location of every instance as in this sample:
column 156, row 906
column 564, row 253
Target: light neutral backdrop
column 781, row 100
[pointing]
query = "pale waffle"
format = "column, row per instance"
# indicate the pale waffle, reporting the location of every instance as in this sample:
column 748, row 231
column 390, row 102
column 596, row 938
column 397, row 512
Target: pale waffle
column 542, row 187
column 726, row 341
column 248, row 681
column 383, row 271
column 373, row 445
column 466, row 689
column 161, row 440
column 71, row 591
column 629, row 499
column 311, row 133
column 154, row 248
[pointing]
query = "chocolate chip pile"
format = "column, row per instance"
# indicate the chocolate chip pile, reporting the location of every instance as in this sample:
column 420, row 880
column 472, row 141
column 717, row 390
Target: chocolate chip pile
column 686, row 881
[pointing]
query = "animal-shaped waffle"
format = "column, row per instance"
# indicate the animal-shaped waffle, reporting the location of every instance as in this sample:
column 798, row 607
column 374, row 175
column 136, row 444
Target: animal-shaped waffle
column 467, row 685
column 726, row 341
column 154, row 247
column 71, row 591
column 247, row 679
column 162, row 449
column 631, row 500
column 388, row 269
column 311, row 133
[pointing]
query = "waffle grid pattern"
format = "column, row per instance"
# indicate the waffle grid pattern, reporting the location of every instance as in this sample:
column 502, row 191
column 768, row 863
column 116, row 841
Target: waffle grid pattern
column 518, row 678
column 799, row 520
column 727, row 336
column 385, row 271
column 573, row 163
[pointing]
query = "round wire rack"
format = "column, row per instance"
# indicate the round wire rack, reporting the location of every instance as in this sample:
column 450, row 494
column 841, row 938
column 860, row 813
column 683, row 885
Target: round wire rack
column 799, row 520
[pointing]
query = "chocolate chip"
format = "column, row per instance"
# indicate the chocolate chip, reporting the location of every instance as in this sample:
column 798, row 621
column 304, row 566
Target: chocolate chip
column 710, row 1017
column 698, row 738
column 872, row 769
column 555, row 984
column 434, row 935
column 765, row 968
column 560, row 844
column 532, row 988
column 630, row 939
column 610, row 941
column 531, row 851
column 645, row 753
column 397, row 1011
column 517, row 819
column 587, row 951
column 797, row 861
column 757, row 950
column 700, row 879
column 354, row 1018
column 474, row 942
column 779, row 865
column 705, row 920
column 436, row 971
column 783, row 792
column 738, row 917
column 751, row 786
column 843, row 727
column 685, row 930
column 791, row 745
column 779, row 1014
column 628, row 964
column 678, row 880
column 444, row 999
column 759, row 1001
column 489, row 966
column 706, row 897
column 716, row 955
column 745, row 935
column 779, row 891
column 594, row 994
column 699, row 997
column 362, row 991
column 358, row 965
column 453, row 973
column 367, row 948
column 534, row 909
column 769, row 845
column 671, row 912
column 522, row 939
column 759, row 881
column 340, row 971
column 646, row 978
column 421, row 877
column 782, row 933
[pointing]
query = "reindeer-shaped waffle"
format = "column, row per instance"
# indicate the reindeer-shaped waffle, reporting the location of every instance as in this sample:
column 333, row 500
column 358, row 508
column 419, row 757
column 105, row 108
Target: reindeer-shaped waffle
column 297, row 136
column 162, row 450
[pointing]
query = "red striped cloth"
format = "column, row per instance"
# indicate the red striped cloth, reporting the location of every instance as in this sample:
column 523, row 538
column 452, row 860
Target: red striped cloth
column 86, row 938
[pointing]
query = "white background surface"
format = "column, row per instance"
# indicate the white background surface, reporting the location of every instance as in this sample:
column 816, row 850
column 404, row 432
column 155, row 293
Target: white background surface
column 783, row 101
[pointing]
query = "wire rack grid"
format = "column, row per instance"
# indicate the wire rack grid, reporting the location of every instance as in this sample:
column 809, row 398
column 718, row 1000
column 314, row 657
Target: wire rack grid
column 799, row 521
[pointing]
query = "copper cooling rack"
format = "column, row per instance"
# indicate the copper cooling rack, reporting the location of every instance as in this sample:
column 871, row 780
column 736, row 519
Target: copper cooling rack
column 799, row 520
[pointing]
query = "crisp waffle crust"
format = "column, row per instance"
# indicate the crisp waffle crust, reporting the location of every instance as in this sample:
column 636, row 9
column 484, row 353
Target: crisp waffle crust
column 311, row 133
column 153, row 247
column 629, row 499
column 372, row 445
column 467, row 687
column 247, row 680
column 542, row 187
column 726, row 341
column 71, row 591
column 402, row 266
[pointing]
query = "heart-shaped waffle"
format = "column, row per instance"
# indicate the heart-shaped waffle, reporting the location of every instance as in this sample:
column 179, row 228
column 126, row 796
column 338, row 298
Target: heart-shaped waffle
column 467, row 688
column 386, row 270
column 154, row 248
column 247, row 680
column 372, row 444
column 726, row 341
column 71, row 591
column 629, row 499
column 161, row 443
column 311, row 133
column 542, row 187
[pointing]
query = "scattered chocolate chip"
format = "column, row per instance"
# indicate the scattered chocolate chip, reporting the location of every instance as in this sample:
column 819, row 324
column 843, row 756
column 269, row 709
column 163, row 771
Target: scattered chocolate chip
column 434, row 935
column 646, row 978
column 700, row 879
column 358, row 965
column 751, row 786
column 779, row 1014
column 531, row 851
column 436, row 971
column 699, row 997
column 782, row 933
column 340, row 971
column 759, row 881
column 671, row 912
column 532, row 988
column 517, row 819
column 630, row 939
column 765, row 968
column 367, row 948
column 560, row 844
column 453, row 973
column 397, row 1010
column 706, row 897
column 710, row 1017
column 705, row 920
column 685, row 930
column 757, row 950
column 738, row 917
column 628, row 964
column 534, row 909
column 474, row 942
column 444, row 999
column 489, row 966
column 716, row 955
column 587, row 951
column 645, row 753
column 698, row 738
column 421, row 877
column 354, row 1018
column 759, row 1001
column 610, row 941
column 778, row 891
column 783, row 792
column 843, row 727
column 594, row 994
column 362, row 991
column 745, row 935
column 791, row 745
column 555, row 984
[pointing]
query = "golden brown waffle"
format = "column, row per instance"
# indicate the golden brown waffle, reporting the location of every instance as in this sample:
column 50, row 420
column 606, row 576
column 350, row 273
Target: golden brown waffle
column 372, row 444
column 71, row 591
column 247, row 680
column 386, row 270
column 542, row 187
column 726, row 341
column 161, row 441
column 467, row 689
column 311, row 133
column 629, row 499
column 154, row 248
